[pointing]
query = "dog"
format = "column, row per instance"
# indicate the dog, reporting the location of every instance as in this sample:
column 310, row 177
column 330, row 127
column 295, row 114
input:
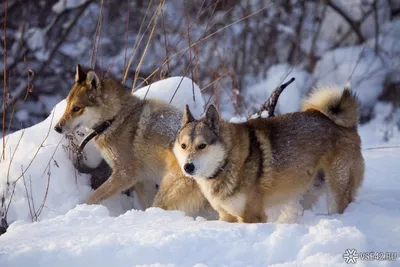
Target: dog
column 134, row 137
column 245, row 168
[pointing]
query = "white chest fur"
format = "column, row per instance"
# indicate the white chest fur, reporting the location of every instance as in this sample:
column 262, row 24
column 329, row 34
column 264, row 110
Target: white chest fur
column 235, row 205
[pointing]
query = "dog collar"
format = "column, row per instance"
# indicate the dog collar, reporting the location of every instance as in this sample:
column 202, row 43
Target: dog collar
column 97, row 130
column 219, row 170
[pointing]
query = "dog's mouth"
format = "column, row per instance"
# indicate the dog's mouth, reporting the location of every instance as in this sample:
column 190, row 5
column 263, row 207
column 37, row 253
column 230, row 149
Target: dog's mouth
column 76, row 127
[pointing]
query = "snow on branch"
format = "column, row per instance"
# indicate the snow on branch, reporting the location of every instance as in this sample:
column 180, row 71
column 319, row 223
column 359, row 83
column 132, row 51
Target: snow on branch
column 270, row 104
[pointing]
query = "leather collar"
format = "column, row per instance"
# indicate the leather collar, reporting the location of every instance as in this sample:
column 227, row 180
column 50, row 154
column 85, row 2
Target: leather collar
column 97, row 130
column 222, row 168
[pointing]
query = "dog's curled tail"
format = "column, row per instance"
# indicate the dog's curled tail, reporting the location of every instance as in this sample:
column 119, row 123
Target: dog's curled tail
column 341, row 106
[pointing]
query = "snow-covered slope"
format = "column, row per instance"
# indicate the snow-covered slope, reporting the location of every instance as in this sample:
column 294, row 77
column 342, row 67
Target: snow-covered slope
column 69, row 235
column 88, row 236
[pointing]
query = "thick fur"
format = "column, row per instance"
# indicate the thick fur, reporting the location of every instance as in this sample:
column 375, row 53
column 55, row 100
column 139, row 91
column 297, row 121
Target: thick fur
column 242, row 169
column 341, row 106
column 178, row 192
column 137, row 142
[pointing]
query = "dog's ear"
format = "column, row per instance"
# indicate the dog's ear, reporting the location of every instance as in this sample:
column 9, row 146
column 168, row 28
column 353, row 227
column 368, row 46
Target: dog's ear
column 92, row 80
column 212, row 118
column 80, row 75
column 187, row 116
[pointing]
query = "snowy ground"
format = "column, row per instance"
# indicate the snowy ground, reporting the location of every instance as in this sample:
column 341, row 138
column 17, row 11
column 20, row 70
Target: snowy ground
column 70, row 235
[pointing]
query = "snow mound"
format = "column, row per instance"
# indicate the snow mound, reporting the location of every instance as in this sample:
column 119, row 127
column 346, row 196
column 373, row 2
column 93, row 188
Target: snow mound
column 175, row 90
column 38, row 159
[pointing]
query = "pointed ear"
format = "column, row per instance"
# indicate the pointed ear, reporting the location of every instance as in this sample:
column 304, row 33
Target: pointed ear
column 80, row 75
column 212, row 117
column 92, row 79
column 187, row 116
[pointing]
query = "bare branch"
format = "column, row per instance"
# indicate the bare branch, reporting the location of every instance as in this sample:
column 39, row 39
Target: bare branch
column 5, row 80
column 204, row 38
column 376, row 20
column 270, row 104
column 158, row 11
column 355, row 25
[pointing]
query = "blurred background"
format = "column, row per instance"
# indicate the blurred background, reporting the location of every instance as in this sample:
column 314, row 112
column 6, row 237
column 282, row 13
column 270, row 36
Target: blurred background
column 236, row 51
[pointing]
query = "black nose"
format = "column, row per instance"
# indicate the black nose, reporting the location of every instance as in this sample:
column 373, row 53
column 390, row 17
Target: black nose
column 58, row 129
column 189, row 168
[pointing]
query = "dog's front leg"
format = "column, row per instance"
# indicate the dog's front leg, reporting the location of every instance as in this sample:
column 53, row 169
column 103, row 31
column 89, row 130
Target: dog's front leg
column 118, row 181
column 225, row 216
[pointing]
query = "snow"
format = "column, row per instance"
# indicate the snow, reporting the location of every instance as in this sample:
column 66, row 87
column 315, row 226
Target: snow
column 35, row 39
column 77, row 48
column 179, row 89
column 22, row 115
column 388, row 45
column 68, row 234
column 357, row 64
column 89, row 236
column 62, row 5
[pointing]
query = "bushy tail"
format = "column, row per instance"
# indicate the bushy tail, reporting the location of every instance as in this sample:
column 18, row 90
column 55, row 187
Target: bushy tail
column 341, row 106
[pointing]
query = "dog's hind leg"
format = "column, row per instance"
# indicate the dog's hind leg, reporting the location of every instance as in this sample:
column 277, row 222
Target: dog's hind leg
column 357, row 174
column 314, row 190
column 339, row 183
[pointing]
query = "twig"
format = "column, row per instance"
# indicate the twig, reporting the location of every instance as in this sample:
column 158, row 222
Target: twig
column 165, row 38
column 137, row 42
column 202, row 89
column 5, row 79
column 96, row 40
column 64, row 36
column 346, row 35
column 40, row 146
column 160, row 6
column 270, row 104
column 381, row 147
column 204, row 38
column 126, row 33
column 3, row 208
column 355, row 25
column 27, row 194
column 180, row 82
column 358, row 61
column 376, row 18
column 313, row 58
column 190, row 43
column 39, row 210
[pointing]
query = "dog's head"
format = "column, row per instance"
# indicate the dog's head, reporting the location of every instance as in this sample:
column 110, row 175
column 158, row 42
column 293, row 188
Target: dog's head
column 198, row 147
column 83, row 103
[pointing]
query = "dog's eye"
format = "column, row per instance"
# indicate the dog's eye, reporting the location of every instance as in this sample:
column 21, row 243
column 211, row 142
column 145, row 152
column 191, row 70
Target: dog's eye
column 76, row 109
column 183, row 146
column 202, row 146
